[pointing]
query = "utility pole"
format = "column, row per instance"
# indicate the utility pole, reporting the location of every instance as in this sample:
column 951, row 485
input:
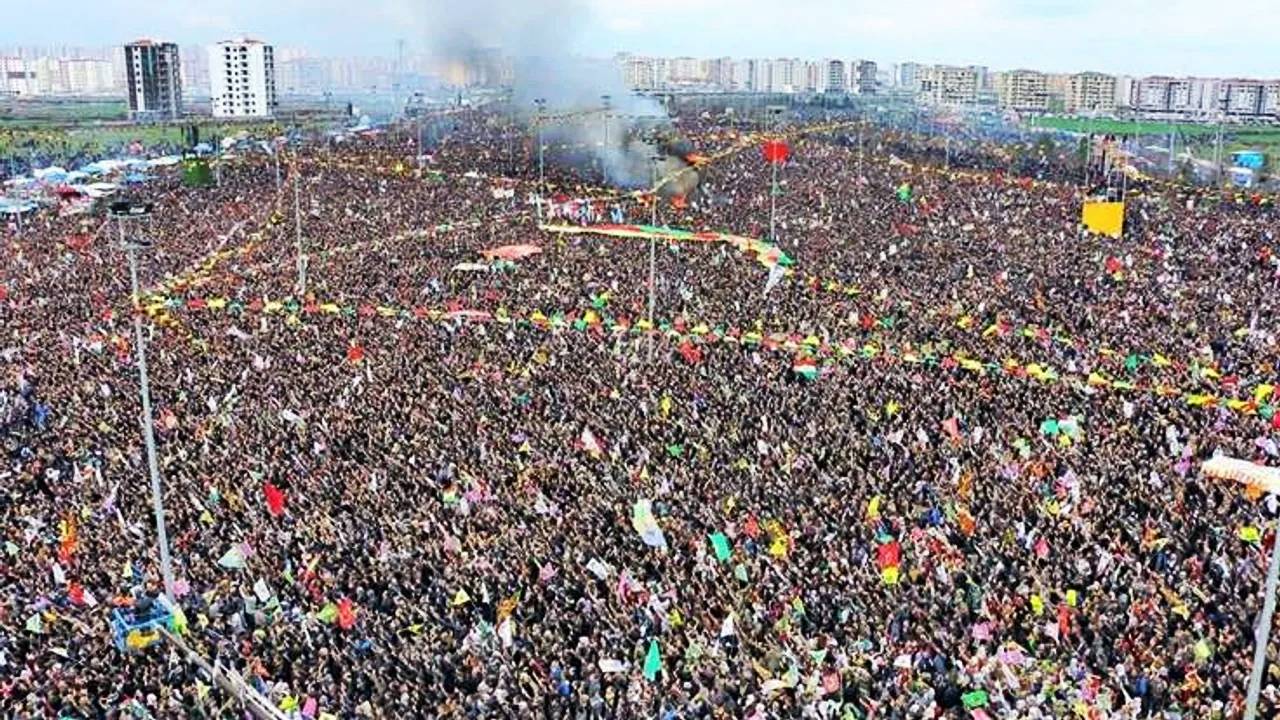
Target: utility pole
column 1173, row 139
column 133, row 211
column 297, row 224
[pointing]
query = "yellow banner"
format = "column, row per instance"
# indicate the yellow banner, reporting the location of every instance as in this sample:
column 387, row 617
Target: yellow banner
column 1104, row 218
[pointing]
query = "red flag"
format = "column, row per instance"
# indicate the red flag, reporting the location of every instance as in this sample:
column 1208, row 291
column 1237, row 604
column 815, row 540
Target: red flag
column 776, row 151
column 346, row 614
column 1064, row 620
column 1114, row 265
column 355, row 354
column 751, row 528
column 75, row 591
column 889, row 555
column 690, row 353
column 275, row 499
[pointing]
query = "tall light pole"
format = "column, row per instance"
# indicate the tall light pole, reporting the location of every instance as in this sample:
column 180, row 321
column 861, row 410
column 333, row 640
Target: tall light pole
column 297, row 225
column 1268, row 479
column 653, row 247
column 542, row 179
column 773, row 190
column 606, row 103
column 275, row 155
column 1217, row 153
column 126, row 211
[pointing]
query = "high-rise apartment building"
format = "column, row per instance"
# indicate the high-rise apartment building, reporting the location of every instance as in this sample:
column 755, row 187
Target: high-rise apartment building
column 864, row 78
column 242, row 79
column 1242, row 98
column 908, row 76
column 154, row 73
column 1023, row 91
column 837, row 80
column 948, row 84
column 1089, row 92
column 85, row 76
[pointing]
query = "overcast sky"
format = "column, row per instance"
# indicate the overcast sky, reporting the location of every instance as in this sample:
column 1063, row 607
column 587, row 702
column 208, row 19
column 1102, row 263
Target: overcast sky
column 1178, row 37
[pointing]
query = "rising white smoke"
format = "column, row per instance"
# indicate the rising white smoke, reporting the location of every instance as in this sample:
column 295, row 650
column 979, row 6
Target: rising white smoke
column 538, row 36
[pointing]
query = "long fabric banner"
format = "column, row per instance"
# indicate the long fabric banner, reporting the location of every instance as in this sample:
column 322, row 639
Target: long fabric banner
column 1256, row 400
column 766, row 253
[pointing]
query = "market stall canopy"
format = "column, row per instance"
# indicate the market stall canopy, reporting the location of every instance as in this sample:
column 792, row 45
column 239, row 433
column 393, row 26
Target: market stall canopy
column 14, row 207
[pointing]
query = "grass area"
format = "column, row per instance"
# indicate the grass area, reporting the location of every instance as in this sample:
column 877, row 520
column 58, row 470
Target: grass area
column 100, row 138
column 1199, row 136
column 1128, row 127
column 30, row 113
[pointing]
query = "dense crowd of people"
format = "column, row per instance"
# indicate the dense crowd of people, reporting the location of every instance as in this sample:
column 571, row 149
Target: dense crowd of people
column 947, row 466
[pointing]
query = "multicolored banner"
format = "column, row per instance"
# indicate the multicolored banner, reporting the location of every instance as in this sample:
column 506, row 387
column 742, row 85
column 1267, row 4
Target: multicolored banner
column 1258, row 400
column 765, row 253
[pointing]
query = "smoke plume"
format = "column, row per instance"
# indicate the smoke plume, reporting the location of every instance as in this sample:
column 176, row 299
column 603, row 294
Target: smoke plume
column 538, row 36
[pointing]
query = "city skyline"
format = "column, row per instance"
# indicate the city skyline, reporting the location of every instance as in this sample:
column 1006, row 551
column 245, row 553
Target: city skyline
column 1124, row 37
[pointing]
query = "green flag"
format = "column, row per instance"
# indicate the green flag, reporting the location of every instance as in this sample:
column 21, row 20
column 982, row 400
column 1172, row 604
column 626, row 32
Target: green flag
column 328, row 613
column 676, row 450
column 740, row 572
column 975, row 699
column 652, row 661
column 721, row 545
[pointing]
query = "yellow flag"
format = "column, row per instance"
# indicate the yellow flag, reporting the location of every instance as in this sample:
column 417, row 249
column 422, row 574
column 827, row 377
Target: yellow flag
column 1073, row 598
column 1250, row 534
column 1160, row 361
column 892, row 407
column 665, row 406
column 873, row 508
column 460, row 598
column 1104, row 218
column 890, row 575
column 1262, row 392
column 1037, row 604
